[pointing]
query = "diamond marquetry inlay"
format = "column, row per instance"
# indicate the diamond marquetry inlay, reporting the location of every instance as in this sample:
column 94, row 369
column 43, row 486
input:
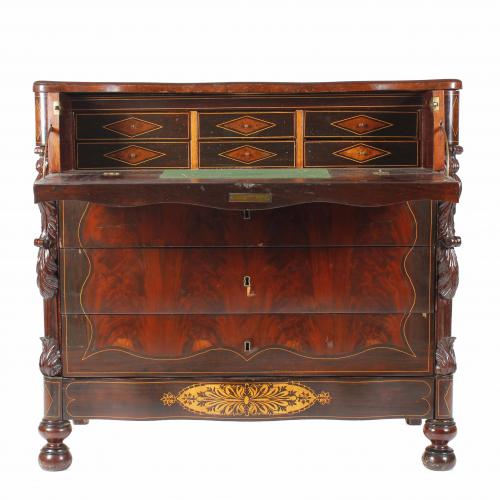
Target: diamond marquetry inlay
column 247, row 154
column 132, row 127
column 361, row 153
column 361, row 124
column 246, row 125
column 133, row 155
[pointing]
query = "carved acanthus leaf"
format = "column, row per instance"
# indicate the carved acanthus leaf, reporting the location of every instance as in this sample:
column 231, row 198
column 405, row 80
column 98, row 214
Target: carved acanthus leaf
column 46, row 267
column 447, row 264
column 445, row 356
column 50, row 359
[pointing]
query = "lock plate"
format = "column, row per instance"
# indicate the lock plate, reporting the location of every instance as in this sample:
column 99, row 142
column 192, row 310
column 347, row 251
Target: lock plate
column 250, row 197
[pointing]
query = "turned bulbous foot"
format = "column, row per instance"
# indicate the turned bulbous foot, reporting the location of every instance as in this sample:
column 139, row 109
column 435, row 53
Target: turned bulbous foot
column 439, row 456
column 55, row 455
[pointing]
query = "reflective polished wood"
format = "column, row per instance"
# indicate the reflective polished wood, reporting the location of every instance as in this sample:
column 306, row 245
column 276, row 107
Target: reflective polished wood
column 247, row 251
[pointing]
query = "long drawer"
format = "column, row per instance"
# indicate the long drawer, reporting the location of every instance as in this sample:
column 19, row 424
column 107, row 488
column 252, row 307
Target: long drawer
column 247, row 280
column 316, row 224
column 110, row 345
column 264, row 399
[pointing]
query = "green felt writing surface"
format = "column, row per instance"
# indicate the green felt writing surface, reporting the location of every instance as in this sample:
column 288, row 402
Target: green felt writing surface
column 243, row 173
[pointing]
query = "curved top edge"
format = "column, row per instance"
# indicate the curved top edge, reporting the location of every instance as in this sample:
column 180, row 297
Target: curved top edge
column 246, row 87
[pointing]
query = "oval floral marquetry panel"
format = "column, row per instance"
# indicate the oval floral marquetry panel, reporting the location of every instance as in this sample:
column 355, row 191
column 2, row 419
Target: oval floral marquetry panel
column 246, row 399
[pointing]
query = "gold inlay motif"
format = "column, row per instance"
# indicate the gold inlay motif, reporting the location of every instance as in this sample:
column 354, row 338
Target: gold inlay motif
column 246, row 399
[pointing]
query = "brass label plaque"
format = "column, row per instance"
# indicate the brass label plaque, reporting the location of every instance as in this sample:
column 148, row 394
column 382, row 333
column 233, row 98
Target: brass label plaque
column 250, row 197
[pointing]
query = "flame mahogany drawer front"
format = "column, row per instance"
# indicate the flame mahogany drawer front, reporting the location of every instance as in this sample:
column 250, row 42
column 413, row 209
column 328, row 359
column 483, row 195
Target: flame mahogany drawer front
column 247, row 280
column 331, row 289
column 299, row 264
column 147, row 344
column 315, row 224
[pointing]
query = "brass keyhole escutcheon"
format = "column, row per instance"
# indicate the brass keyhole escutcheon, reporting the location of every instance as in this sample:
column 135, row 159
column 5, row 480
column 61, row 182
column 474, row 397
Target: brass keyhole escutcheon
column 247, row 346
column 247, row 283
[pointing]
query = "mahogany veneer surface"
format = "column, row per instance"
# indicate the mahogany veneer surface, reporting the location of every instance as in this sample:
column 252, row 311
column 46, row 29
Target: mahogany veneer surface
column 324, row 292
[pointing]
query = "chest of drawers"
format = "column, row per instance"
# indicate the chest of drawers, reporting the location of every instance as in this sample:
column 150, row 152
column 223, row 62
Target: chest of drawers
column 247, row 252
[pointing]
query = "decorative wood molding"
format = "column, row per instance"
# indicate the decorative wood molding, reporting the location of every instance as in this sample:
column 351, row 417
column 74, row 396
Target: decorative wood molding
column 50, row 359
column 46, row 268
column 247, row 399
column 447, row 264
column 40, row 162
column 445, row 356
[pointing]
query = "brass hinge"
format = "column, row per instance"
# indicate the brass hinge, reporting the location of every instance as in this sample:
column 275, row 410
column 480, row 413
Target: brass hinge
column 56, row 108
column 435, row 104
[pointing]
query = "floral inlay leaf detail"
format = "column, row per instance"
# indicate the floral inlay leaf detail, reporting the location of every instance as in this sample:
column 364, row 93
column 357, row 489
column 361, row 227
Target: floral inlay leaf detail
column 246, row 399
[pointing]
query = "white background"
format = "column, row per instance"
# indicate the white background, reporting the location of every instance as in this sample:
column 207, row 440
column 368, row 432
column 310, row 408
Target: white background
column 251, row 41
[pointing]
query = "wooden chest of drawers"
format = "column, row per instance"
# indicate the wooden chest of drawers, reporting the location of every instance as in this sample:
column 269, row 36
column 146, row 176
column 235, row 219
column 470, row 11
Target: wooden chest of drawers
column 248, row 252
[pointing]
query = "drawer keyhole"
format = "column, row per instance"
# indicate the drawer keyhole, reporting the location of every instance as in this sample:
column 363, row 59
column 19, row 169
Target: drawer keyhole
column 246, row 215
column 247, row 283
column 247, row 346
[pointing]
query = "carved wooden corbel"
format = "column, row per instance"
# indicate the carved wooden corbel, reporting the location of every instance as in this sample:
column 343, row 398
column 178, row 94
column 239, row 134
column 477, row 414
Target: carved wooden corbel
column 50, row 359
column 46, row 267
column 447, row 265
column 445, row 356
column 47, row 277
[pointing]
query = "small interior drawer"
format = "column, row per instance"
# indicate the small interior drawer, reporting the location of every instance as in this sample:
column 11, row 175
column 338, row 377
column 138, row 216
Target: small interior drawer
column 273, row 124
column 133, row 155
column 135, row 126
column 361, row 124
column 361, row 153
column 247, row 154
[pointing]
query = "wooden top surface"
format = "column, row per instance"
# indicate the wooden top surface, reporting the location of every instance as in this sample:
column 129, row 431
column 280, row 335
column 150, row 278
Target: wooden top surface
column 247, row 88
column 363, row 187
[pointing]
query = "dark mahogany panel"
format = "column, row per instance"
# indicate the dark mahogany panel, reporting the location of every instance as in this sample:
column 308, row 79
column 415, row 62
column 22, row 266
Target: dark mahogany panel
column 246, row 124
column 134, row 155
column 360, row 123
column 316, row 224
column 145, row 399
column 246, row 153
column 134, row 126
column 246, row 343
column 361, row 153
column 316, row 280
